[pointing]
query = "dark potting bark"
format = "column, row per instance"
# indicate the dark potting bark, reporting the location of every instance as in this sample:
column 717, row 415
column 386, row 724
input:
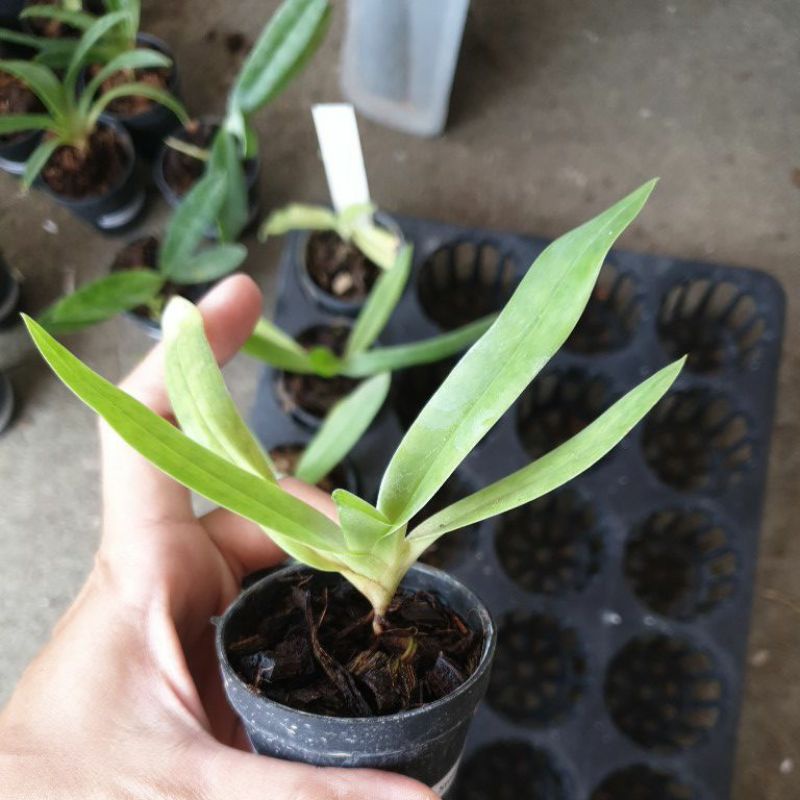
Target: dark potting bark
column 286, row 457
column 94, row 171
column 314, row 394
column 339, row 268
column 16, row 98
column 314, row 649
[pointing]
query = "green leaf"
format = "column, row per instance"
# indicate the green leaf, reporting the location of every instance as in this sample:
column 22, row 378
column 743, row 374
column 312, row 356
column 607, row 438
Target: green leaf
column 362, row 524
column 427, row 351
column 101, row 300
column 272, row 346
column 201, row 402
column 81, row 56
column 535, row 322
column 16, row 123
column 345, row 424
column 37, row 160
column 376, row 243
column 129, row 60
column 187, row 228
column 210, row 264
column 380, row 304
column 226, row 159
column 553, row 469
column 79, row 20
column 138, row 90
column 297, row 217
column 42, row 82
column 283, row 516
column 284, row 47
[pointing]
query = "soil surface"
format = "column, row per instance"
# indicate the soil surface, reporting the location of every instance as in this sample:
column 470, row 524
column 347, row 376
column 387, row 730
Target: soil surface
column 51, row 28
column 314, row 649
column 133, row 105
column 16, row 98
column 94, row 171
column 182, row 171
column 310, row 392
column 339, row 268
column 286, row 457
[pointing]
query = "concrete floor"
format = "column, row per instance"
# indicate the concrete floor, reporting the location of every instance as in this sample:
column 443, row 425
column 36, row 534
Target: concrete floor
column 558, row 109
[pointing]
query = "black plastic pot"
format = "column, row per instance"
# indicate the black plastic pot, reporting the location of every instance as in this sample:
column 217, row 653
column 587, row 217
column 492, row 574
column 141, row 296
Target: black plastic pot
column 322, row 299
column 121, row 206
column 14, row 152
column 425, row 744
column 9, row 12
column 9, row 293
column 149, row 128
column 6, row 402
column 252, row 170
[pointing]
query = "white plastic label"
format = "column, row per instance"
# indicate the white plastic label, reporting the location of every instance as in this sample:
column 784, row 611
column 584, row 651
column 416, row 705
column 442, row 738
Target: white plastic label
column 337, row 133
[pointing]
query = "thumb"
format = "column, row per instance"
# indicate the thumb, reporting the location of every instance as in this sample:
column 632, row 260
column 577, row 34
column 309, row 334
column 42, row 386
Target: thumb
column 244, row 776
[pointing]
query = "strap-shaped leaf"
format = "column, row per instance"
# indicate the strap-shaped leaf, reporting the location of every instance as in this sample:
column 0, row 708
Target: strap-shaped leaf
column 37, row 160
column 79, row 20
column 553, row 469
column 362, row 524
column 80, row 57
column 270, row 344
column 42, row 82
column 297, row 217
column 427, row 351
column 535, row 322
column 187, row 462
column 226, row 158
column 16, row 123
column 282, row 50
column 201, row 401
column 376, row 243
column 129, row 60
column 101, row 299
column 343, row 427
column 159, row 96
column 187, row 228
column 210, row 264
column 380, row 304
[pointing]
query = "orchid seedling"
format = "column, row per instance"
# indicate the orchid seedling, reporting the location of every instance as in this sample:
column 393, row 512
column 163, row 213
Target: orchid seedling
column 359, row 358
column 181, row 261
column 72, row 114
column 215, row 455
column 355, row 224
column 284, row 47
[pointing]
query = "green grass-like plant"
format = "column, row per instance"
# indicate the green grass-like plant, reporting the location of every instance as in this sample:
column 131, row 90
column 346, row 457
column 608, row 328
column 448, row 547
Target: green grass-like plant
column 370, row 546
column 71, row 116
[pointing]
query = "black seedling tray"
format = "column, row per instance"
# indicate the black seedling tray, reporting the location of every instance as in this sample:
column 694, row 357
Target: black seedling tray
column 623, row 599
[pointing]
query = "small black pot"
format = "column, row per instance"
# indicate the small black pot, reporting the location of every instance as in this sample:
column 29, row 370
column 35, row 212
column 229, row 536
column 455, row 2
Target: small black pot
column 9, row 293
column 425, row 744
column 14, row 153
column 6, row 402
column 121, row 206
column 149, row 128
column 322, row 299
column 252, row 171
column 9, row 13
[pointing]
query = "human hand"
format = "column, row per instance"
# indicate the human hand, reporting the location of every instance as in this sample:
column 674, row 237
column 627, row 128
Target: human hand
column 126, row 702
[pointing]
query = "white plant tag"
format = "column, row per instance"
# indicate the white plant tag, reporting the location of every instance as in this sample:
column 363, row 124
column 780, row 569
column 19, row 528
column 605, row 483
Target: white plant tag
column 337, row 133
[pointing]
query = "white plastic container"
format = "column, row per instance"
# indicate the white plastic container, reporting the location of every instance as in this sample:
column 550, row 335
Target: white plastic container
column 399, row 58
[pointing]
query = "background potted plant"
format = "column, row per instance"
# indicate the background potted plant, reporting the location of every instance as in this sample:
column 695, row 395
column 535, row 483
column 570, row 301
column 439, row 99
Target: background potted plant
column 86, row 164
column 145, row 274
column 326, row 362
column 230, row 146
column 375, row 689
column 343, row 254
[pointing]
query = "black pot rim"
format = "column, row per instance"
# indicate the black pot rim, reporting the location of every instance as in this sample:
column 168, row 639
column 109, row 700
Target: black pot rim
column 127, row 144
column 252, row 166
column 489, row 643
column 153, row 43
column 315, row 292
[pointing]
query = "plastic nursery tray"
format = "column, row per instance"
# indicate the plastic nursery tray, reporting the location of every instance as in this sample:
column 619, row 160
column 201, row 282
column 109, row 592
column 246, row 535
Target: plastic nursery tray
column 622, row 599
